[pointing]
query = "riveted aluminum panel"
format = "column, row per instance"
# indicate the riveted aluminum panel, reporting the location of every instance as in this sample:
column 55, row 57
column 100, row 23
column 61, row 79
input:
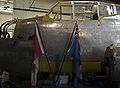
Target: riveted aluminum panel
column 95, row 36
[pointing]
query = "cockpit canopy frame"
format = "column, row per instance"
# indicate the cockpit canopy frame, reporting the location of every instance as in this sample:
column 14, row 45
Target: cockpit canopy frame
column 83, row 10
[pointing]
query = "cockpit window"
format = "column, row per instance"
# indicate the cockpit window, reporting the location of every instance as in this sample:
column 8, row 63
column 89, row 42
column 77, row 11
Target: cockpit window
column 107, row 9
column 118, row 9
column 75, row 10
column 83, row 10
column 66, row 12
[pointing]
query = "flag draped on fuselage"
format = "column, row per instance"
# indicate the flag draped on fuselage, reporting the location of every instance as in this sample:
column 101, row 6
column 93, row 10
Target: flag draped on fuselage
column 38, row 50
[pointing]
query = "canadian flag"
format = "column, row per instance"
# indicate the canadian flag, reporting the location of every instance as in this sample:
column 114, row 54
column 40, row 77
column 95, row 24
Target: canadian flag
column 38, row 50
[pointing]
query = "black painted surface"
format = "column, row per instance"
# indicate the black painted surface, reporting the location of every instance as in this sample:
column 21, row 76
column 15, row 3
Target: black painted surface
column 16, row 57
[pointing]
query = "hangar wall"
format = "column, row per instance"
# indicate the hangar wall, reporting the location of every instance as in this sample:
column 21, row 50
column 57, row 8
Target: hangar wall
column 5, row 17
column 25, row 4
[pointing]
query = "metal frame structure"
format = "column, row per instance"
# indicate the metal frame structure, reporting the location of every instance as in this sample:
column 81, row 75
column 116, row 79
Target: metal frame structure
column 57, row 8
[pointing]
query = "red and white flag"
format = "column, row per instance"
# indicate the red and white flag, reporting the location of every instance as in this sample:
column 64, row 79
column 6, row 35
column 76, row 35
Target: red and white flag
column 38, row 50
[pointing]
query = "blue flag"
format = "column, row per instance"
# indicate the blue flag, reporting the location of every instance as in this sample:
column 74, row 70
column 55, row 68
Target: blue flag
column 75, row 48
column 75, row 53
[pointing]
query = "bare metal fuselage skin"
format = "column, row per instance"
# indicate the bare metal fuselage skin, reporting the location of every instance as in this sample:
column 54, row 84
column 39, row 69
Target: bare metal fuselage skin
column 95, row 35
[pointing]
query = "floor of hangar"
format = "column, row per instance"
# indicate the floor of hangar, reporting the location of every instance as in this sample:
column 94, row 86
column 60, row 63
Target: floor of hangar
column 98, row 85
